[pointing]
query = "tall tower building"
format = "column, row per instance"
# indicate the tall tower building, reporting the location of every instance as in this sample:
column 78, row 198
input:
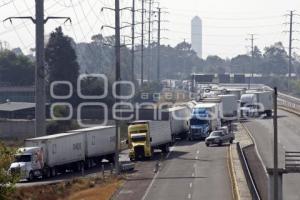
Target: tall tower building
column 197, row 35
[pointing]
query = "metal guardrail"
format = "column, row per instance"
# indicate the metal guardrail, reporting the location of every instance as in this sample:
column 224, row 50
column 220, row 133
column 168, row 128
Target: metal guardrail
column 250, row 181
column 292, row 161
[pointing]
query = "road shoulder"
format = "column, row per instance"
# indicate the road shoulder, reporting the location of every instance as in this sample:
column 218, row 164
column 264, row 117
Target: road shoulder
column 239, row 184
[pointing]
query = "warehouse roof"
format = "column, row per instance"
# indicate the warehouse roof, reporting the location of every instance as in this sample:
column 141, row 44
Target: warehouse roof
column 15, row 106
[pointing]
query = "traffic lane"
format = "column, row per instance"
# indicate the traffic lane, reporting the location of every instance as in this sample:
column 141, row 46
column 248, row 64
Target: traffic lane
column 213, row 163
column 96, row 170
column 289, row 139
column 193, row 171
column 137, row 182
column 288, row 136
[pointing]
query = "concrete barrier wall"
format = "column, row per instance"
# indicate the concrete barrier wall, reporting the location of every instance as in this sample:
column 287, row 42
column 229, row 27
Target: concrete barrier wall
column 16, row 129
column 257, row 171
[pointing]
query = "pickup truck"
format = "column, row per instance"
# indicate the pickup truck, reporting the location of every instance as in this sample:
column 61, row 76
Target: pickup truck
column 219, row 137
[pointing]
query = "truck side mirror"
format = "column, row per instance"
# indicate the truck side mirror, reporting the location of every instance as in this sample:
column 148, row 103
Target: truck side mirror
column 150, row 139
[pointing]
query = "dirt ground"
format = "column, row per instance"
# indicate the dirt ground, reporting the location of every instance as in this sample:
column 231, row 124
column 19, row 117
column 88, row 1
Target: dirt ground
column 77, row 189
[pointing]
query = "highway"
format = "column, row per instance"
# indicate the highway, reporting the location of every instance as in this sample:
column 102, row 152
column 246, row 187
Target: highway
column 289, row 140
column 190, row 171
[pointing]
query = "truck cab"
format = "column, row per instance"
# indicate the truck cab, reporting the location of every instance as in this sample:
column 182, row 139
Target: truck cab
column 139, row 140
column 28, row 163
column 199, row 124
column 248, row 105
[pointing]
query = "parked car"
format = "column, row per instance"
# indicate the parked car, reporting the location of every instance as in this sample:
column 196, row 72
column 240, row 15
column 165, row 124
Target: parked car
column 219, row 137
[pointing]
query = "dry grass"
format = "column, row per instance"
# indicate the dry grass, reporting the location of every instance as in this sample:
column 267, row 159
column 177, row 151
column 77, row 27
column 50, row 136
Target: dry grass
column 77, row 189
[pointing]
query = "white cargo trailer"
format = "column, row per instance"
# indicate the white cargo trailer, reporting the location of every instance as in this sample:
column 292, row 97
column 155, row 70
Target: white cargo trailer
column 160, row 132
column 230, row 107
column 178, row 118
column 99, row 143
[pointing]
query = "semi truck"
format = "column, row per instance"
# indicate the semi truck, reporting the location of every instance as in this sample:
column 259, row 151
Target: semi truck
column 49, row 155
column 178, row 118
column 204, row 119
column 145, row 136
column 229, row 107
column 255, row 103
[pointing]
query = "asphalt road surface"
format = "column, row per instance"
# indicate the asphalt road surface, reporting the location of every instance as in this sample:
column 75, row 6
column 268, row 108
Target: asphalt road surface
column 190, row 171
column 289, row 140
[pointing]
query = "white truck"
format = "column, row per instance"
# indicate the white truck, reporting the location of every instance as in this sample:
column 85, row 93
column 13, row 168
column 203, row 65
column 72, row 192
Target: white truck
column 229, row 107
column 178, row 118
column 145, row 136
column 256, row 103
column 236, row 91
column 48, row 155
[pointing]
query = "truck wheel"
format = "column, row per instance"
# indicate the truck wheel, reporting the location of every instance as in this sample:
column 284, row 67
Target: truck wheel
column 207, row 144
column 31, row 176
column 166, row 149
column 47, row 173
column 231, row 141
column 220, row 143
column 78, row 166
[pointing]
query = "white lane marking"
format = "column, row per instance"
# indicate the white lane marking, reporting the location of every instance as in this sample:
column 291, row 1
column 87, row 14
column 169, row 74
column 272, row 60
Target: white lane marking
column 189, row 196
column 126, row 192
column 155, row 176
column 191, row 185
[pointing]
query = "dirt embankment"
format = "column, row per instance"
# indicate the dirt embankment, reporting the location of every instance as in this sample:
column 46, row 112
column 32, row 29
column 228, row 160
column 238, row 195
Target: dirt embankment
column 77, row 189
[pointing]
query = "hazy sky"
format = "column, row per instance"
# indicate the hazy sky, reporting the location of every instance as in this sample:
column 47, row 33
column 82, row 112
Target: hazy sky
column 226, row 24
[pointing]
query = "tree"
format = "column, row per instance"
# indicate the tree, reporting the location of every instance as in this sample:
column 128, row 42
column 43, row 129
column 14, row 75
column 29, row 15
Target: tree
column 16, row 70
column 275, row 59
column 62, row 61
column 240, row 64
column 215, row 64
column 7, row 181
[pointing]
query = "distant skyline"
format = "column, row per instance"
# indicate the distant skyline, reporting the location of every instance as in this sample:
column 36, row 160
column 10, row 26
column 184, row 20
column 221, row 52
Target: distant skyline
column 226, row 24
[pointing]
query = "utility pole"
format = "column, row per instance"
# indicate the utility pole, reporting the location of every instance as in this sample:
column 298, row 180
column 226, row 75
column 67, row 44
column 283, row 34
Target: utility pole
column 252, row 58
column 275, row 190
column 149, row 40
column 118, row 76
column 290, row 48
column 142, row 44
column 158, row 46
column 117, row 47
column 40, row 93
column 132, row 41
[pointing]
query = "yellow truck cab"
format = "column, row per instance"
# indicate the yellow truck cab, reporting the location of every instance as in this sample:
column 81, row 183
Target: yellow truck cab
column 139, row 140
column 145, row 136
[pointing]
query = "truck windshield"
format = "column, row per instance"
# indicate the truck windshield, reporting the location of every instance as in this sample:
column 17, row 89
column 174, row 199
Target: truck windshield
column 138, row 138
column 217, row 133
column 198, row 122
column 23, row 158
